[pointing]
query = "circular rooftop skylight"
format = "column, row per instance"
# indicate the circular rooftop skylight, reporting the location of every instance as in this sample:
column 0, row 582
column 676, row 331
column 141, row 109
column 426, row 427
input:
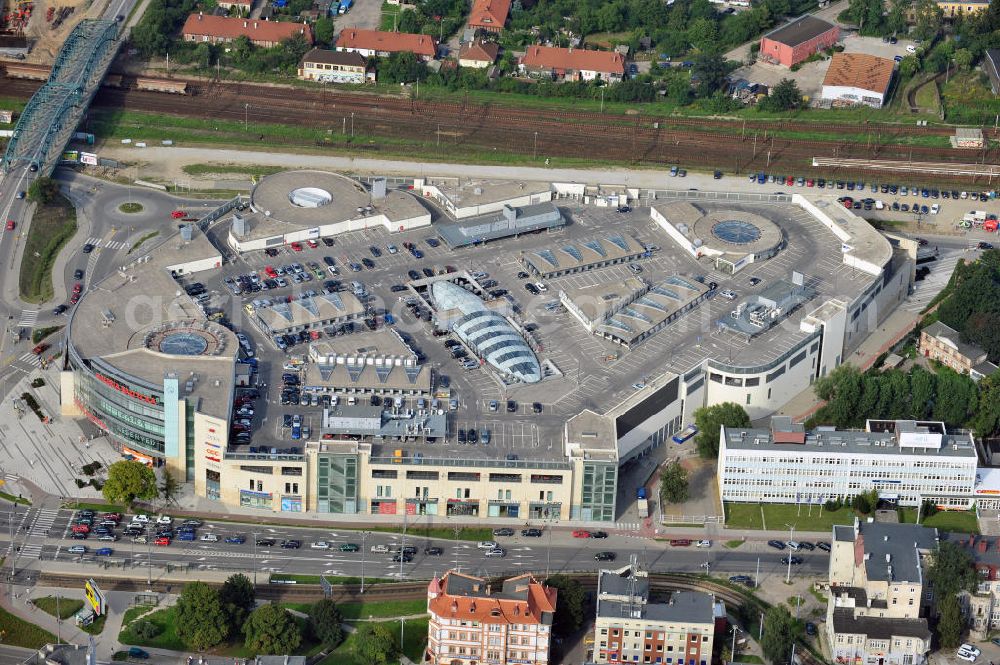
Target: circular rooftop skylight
column 310, row 197
column 736, row 232
column 184, row 344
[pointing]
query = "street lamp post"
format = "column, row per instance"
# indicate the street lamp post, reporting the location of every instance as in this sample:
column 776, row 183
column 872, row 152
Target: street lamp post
column 549, row 521
column 246, row 117
column 364, row 536
column 149, row 564
column 791, row 538
column 254, row 559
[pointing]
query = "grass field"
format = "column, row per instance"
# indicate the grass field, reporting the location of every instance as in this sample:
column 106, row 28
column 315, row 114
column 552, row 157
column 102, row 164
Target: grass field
column 67, row 606
column 732, row 544
column 241, row 169
column 13, row 499
column 165, row 620
column 778, row 515
column 945, row 520
column 51, row 228
column 927, row 97
column 133, row 612
column 377, row 610
column 21, row 633
column 414, row 643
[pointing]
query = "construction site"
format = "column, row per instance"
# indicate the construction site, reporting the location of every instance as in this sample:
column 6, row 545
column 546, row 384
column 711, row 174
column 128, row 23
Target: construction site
column 33, row 30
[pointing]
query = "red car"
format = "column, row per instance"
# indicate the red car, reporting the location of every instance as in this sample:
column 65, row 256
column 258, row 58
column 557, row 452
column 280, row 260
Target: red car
column 162, row 541
column 177, row 214
column 78, row 287
column 297, row 246
column 789, row 181
column 74, row 299
column 680, row 542
column 312, row 243
column 81, row 528
column 112, row 516
column 271, row 272
column 810, row 182
column 10, row 224
column 581, row 533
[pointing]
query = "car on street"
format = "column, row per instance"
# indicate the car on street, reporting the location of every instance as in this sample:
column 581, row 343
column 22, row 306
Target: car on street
column 209, row 538
column 88, row 248
column 162, row 541
column 776, row 544
column 599, row 534
column 823, row 546
column 745, row 580
column 291, row 544
column 581, row 533
column 791, row 560
column 503, row 531
column 496, row 552
column 810, row 628
column 984, row 245
column 349, row 547
column 704, row 543
column 236, row 540
column 320, row 545
column 77, row 549
column 680, row 542
column 266, row 542
column 433, row 551
column 532, row 532
column 136, row 652
column 605, row 556
column 104, row 551
column 486, row 545
column 10, row 224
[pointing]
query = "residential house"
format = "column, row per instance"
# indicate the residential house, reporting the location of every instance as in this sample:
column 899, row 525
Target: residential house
column 335, row 67
column 489, row 15
column 952, row 8
column 877, row 610
column 478, row 54
column 944, row 344
column 471, row 621
column 219, row 30
column 243, row 6
column 630, row 628
column 572, row 64
column 381, row 44
column 858, row 78
column 793, row 42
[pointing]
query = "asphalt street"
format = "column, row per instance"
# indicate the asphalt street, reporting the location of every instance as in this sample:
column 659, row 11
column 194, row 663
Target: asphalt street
column 43, row 538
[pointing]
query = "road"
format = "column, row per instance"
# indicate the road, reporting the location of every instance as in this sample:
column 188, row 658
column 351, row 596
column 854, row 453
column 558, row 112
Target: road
column 44, row 541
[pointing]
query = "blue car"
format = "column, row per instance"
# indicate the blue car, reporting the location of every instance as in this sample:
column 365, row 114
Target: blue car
column 236, row 540
column 105, row 551
column 185, row 535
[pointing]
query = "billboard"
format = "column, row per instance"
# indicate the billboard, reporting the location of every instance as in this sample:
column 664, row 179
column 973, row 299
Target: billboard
column 95, row 598
column 88, row 158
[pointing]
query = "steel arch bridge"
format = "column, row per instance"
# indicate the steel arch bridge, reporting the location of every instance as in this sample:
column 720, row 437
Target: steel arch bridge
column 53, row 113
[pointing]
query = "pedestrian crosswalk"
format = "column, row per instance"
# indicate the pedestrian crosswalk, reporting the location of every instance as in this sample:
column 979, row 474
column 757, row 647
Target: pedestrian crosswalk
column 28, row 318
column 29, row 358
column 43, row 521
column 110, row 244
column 31, row 551
column 628, row 526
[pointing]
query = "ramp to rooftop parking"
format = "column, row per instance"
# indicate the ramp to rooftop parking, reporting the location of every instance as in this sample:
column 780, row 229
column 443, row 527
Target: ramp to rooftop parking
column 52, row 114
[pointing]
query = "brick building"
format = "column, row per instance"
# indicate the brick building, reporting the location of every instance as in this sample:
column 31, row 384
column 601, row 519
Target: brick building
column 470, row 621
column 944, row 344
column 220, row 29
column 794, row 42
column 631, row 629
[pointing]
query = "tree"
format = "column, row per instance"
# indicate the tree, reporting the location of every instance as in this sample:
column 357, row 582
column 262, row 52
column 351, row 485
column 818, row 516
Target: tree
column 841, row 390
column 129, row 480
column 270, row 629
column 927, row 19
column 323, row 31
column 325, row 619
column 711, row 70
column 956, row 397
column 963, row 59
column 238, row 599
column 779, row 634
column 43, row 190
column 169, row 487
column 674, row 484
column 375, row 642
column 923, row 387
column 950, row 622
column 868, row 14
column 710, row 419
column 201, row 623
column 986, row 420
column 784, row 97
column 909, row 66
column 952, row 570
column 702, row 33
column 569, row 609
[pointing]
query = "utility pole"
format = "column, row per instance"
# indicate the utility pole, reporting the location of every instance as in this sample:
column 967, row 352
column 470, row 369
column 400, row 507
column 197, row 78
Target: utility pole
column 58, row 621
column 246, row 117
column 364, row 536
column 352, row 124
column 534, row 152
column 402, row 547
column 791, row 537
column 149, row 565
column 254, row 559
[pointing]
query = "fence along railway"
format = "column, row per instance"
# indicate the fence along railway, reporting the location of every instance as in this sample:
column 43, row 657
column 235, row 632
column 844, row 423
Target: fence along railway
column 727, row 144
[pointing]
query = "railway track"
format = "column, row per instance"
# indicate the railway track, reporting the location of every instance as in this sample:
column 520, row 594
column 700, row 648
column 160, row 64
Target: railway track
column 445, row 127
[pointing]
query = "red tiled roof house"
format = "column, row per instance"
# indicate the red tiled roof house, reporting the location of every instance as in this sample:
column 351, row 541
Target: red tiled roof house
column 478, row 54
column 220, row 29
column 793, row 42
column 501, row 625
column 377, row 43
column 573, row 64
column 489, row 15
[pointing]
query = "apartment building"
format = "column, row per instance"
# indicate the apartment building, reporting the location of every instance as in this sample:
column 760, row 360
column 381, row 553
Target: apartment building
column 335, row 67
column 876, row 614
column 632, row 628
column 905, row 461
column 470, row 621
column 944, row 344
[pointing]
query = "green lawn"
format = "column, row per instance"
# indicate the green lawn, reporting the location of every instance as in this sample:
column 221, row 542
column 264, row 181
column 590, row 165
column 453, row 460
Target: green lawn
column 378, row 609
column 960, row 521
column 332, row 579
column 927, row 97
column 13, row 499
column 778, row 515
column 51, row 227
column 414, row 643
column 133, row 612
column 17, row 632
column 97, row 627
column 166, row 620
column 732, row 544
column 241, row 169
column 67, row 606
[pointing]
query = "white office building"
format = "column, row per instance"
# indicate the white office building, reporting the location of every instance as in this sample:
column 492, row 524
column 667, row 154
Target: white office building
column 906, row 461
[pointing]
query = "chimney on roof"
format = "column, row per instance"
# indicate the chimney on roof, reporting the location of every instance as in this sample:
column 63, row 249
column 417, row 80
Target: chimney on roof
column 472, row 607
column 982, row 545
column 255, row 25
column 245, row 24
column 454, row 607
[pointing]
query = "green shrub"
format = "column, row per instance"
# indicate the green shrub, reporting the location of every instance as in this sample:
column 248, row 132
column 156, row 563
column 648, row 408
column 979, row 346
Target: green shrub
column 38, row 382
column 147, row 630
